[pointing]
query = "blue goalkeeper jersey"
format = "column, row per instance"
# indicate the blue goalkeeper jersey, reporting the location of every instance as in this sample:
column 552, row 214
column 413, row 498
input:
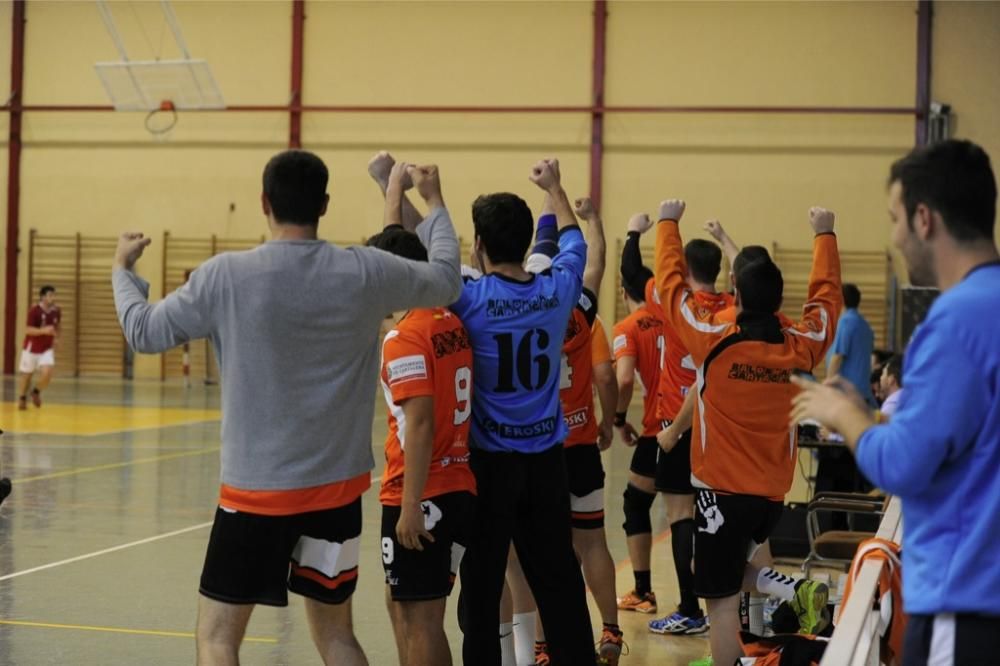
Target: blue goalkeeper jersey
column 517, row 330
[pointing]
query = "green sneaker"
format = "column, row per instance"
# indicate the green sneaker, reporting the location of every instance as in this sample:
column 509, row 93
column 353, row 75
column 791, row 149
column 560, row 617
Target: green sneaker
column 809, row 604
column 707, row 661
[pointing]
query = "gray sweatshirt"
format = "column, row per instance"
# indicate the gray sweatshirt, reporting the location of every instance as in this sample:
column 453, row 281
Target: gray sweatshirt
column 295, row 328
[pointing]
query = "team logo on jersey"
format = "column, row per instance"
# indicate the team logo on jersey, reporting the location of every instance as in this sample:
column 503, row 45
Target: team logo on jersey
column 450, row 342
column 573, row 328
column 513, row 307
column 406, row 368
column 759, row 373
column 647, row 323
column 576, row 419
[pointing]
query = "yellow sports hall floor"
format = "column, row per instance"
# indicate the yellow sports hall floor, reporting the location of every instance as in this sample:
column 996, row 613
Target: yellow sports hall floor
column 102, row 540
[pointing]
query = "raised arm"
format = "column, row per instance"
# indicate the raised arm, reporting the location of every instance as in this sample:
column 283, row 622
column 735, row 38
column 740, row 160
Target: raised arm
column 181, row 316
column 714, row 228
column 408, row 284
column 379, row 169
column 546, row 175
column 399, row 181
column 597, row 247
column 814, row 332
column 572, row 254
column 697, row 330
column 634, row 273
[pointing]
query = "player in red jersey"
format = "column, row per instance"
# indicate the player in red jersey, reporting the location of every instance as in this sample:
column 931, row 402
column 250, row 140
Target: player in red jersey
column 40, row 337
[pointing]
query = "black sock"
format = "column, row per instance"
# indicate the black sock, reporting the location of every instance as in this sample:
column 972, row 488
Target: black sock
column 682, row 540
column 643, row 584
column 613, row 628
column 34, row 391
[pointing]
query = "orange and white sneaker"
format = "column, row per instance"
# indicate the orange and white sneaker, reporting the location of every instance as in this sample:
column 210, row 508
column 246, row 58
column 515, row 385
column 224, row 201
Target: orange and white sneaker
column 641, row 604
column 609, row 648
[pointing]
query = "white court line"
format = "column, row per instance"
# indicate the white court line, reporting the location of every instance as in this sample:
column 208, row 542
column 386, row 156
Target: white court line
column 106, row 551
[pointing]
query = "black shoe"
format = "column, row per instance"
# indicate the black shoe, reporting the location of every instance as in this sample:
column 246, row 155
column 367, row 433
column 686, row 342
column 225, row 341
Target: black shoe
column 5, row 488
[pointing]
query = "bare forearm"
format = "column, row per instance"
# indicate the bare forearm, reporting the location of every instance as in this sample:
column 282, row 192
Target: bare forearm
column 33, row 331
column 565, row 217
column 729, row 247
column 852, row 423
column 625, row 391
column 607, row 391
column 411, row 217
column 417, row 460
column 596, row 254
column 685, row 417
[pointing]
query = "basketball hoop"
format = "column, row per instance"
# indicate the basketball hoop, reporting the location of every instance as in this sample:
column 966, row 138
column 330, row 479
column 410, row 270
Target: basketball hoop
column 161, row 88
column 160, row 122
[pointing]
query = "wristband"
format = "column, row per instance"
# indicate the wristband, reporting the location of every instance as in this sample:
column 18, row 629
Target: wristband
column 620, row 419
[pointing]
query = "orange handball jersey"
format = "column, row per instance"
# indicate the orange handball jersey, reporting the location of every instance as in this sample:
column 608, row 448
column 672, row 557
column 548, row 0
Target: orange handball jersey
column 741, row 441
column 678, row 370
column 428, row 354
column 600, row 349
column 640, row 335
column 577, row 372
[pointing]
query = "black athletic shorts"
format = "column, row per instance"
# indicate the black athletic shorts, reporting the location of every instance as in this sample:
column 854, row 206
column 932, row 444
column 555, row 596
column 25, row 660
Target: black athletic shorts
column 420, row 575
column 586, row 486
column 963, row 639
column 671, row 472
column 728, row 527
column 256, row 559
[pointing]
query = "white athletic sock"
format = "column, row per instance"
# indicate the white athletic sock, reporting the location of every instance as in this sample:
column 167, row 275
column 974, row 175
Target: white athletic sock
column 524, row 638
column 508, row 658
column 771, row 582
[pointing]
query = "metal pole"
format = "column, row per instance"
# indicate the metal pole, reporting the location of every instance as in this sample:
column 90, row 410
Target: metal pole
column 597, row 99
column 925, row 20
column 13, row 182
column 77, row 299
column 298, row 34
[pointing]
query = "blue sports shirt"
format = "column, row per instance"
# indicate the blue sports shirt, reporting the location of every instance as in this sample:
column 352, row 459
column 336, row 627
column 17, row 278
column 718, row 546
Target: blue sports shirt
column 855, row 341
column 517, row 330
column 940, row 453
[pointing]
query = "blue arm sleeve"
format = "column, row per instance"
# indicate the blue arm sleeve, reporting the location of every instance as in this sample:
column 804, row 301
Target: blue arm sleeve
column 572, row 255
column 546, row 237
column 942, row 412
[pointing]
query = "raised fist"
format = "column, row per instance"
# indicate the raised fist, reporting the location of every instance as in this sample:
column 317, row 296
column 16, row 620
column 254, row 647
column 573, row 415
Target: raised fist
column 545, row 174
column 672, row 209
column 640, row 222
column 380, row 165
column 821, row 220
column 714, row 228
column 131, row 245
column 427, row 180
column 399, row 176
column 584, row 208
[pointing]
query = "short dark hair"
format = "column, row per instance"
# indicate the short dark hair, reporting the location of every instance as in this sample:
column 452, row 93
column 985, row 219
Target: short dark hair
column 636, row 290
column 295, row 186
column 504, row 223
column 894, row 368
column 760, row 286
column 750, row 253
column 852, row 295
column 400, row 242
column 704, row 260
column 954, row 178
column 47, row 289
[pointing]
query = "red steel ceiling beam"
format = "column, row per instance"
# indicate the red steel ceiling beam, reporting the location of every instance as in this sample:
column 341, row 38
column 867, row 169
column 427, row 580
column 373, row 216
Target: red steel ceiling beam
column 13, row 184
column 358, row 108
column 295, row 107
column 925, row 20
column 597, row 100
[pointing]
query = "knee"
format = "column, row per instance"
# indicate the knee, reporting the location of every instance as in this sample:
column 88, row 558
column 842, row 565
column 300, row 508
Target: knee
column 637, row 506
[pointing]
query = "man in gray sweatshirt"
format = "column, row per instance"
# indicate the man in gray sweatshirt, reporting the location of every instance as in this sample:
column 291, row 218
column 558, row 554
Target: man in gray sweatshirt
column 294, row 324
